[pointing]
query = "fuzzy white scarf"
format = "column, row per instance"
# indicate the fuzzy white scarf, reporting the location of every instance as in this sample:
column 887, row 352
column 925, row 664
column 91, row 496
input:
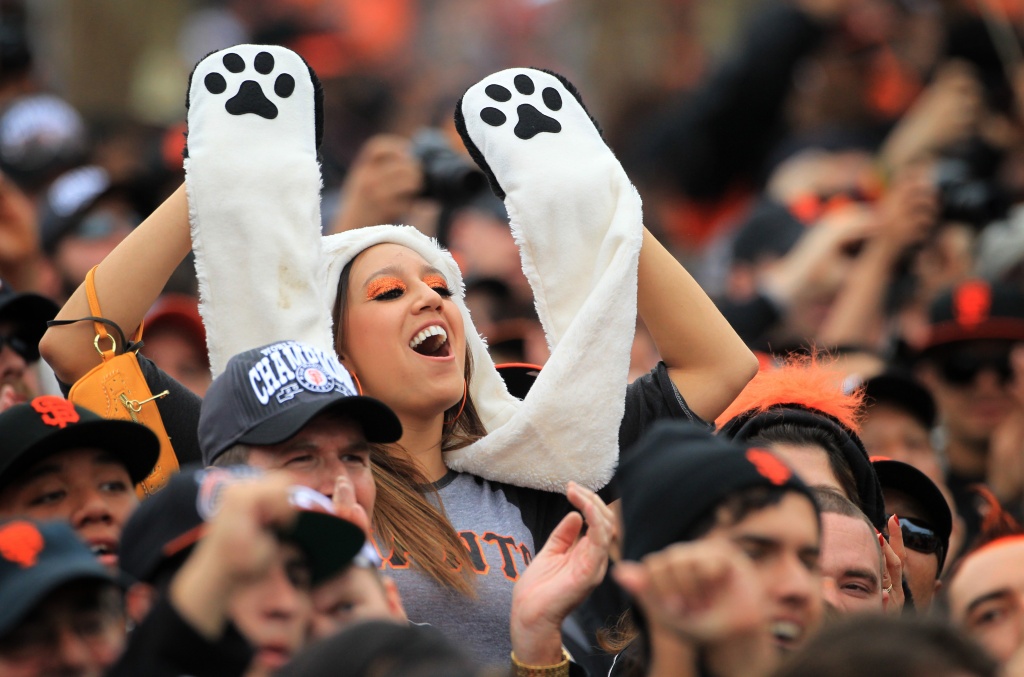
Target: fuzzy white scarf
column 575, row 216
column 253, row 184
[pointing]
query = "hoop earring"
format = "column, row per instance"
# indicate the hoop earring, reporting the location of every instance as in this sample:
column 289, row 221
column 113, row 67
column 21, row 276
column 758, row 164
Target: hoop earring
column 465, row 393
column 359, row 386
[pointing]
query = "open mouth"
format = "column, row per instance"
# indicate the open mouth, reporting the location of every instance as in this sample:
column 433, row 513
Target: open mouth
column 106, row 553
column 273, row 656
column 787, row 634
column 431, row 342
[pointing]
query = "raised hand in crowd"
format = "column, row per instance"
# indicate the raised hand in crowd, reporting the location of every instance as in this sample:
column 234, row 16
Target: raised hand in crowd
column 561, row 575
column 948, row 111
column 895, row 553
column 346, row 507
column 905, row 215
column 706, row 594
column 239, row 547
column 811, row 268
column 381, row 186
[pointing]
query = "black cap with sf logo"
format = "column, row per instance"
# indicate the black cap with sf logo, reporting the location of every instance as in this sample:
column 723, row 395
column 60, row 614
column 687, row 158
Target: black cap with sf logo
column 49, row 424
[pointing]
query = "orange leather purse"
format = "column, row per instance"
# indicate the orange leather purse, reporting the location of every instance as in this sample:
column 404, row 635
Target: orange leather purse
column 117, row 389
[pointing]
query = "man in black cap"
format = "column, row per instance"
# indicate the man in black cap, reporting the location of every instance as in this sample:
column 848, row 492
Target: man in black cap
column 926, row 523
column 60, row 461
column 898, row 419
column 966, row 365
column 22, row 323
column 293, row 407
column 724, row 542
column 60, row 609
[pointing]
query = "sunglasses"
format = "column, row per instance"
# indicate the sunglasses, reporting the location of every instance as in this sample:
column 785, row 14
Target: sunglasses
column 962, row 368
column 17, row 344
column 920, row 537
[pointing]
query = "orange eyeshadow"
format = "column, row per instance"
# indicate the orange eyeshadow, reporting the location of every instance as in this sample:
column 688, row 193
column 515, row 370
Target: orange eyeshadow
column 382, row 285
column 434, row 281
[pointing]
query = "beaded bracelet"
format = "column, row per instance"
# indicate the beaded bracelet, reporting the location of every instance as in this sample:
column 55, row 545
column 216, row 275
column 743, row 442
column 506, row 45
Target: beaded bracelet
column 557, row 670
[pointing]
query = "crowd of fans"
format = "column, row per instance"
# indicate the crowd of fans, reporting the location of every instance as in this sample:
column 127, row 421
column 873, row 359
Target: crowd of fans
column 818, row 470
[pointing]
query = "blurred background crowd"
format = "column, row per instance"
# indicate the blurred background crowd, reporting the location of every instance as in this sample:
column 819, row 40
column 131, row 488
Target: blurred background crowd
column 841, row 176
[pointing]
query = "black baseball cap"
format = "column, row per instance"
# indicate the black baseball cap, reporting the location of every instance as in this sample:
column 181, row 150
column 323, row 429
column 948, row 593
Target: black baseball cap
column 678, row 473
column 171, row 521
column 49, row 424
column 267, row 394
column 36, row 558
column 975, row 310
column 28, row 313
column 901, row 391
column 893, row 474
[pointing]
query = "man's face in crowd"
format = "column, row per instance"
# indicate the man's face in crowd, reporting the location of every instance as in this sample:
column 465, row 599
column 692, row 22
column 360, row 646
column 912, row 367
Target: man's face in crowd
column 356, row 594
column 328, row 446
column 811, row 463
column 76, row 631
column 275, row 612
column 783, row 542
column 851, row 564
column 969, row 382
column 921, row 570
column 891, row 432
column 18, row 383
column 88, row 488
column 986, row 597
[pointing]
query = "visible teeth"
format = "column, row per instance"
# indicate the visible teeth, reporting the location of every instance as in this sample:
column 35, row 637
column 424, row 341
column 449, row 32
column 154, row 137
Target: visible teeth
column 786, row 630
column 100, row 550
column 427, row 333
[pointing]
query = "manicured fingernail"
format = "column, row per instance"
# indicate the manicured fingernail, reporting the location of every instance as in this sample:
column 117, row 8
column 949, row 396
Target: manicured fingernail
column 897, row 518
column 881, row 540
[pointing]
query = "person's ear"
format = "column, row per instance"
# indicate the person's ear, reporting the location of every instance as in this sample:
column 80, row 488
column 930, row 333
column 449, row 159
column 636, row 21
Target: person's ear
column 139, row 600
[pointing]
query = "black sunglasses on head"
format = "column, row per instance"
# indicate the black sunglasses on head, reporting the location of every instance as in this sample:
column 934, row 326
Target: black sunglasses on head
column 962, row 368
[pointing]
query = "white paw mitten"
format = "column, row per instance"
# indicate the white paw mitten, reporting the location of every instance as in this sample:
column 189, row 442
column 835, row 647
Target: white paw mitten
column 578, row 222
column 255, row 119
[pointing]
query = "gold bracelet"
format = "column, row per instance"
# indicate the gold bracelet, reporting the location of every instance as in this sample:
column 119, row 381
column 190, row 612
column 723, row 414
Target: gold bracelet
column 557, row 670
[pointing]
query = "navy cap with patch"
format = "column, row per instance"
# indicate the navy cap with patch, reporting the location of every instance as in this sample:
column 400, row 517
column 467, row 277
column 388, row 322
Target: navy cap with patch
column 266, row 395
column 36, row 558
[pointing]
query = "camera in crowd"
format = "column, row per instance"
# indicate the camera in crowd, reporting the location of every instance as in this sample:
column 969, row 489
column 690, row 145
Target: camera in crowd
column 967, row 187
column 448, row 176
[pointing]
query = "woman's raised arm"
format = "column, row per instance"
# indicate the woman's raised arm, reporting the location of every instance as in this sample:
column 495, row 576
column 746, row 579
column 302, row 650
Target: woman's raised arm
column 128, row 281
column 706, row 358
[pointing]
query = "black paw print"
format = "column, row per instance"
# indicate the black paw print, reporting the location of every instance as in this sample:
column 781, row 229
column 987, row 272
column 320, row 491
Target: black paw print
column 250, row 97
column 531, row 121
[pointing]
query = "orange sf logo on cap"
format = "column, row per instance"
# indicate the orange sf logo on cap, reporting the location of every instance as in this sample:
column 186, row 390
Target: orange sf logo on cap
column 771, row 468
column 972, row 302
column 55, row 411
column 21, row 543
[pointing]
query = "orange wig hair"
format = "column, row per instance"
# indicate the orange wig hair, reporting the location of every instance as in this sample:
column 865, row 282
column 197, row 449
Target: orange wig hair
column 809, row 381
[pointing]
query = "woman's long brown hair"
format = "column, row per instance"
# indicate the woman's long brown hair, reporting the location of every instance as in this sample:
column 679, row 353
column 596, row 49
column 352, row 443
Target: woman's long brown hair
column 403, row 517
